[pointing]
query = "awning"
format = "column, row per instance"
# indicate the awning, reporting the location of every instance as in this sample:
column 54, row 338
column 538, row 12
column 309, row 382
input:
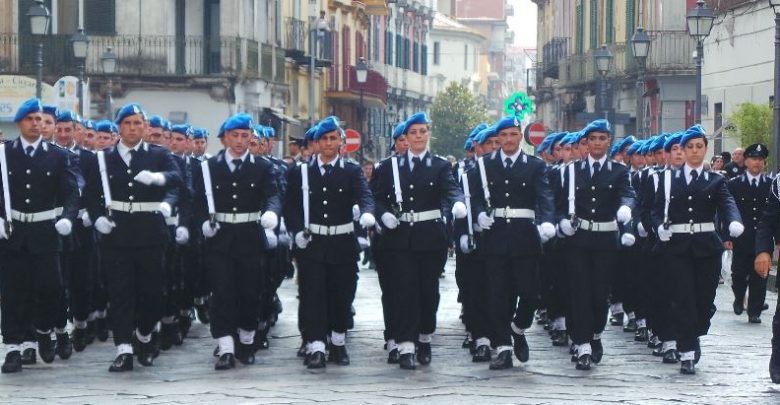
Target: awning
column 286, row 118
column 375, row 7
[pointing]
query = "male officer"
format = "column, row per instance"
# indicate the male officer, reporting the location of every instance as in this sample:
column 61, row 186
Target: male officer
column 105, row 133
column 200, row 140
column 512, row 193
column 620, row 300
column 751, row 193
column 324, row 234
column 139, row 183
column 232, row 189
column 682, row 214
column 193, row 262
column 595, row 192
column 410, row 193
column 38, row 179
column 48, row 129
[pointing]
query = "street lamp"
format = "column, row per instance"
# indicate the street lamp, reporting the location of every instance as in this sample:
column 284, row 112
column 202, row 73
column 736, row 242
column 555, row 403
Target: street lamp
column 603, row 58
column 361, row 71
column 776, row 102
column 700, row 21
column 108, row 62
column 39, row 25
column 640, row 44
column 80, row 42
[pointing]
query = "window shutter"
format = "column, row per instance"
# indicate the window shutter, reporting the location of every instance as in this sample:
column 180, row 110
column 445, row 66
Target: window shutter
column 100, row 17
column 630, row 20
column 594, row 24
column 580, row 28
column 609, row 28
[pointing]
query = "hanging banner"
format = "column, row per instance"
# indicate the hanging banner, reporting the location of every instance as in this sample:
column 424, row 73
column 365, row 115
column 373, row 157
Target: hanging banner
column 14, row 90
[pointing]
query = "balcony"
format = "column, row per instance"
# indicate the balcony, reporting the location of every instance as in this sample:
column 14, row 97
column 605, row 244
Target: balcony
column 342, row 83
column 297, row 44
column 267, row 64
column 137, row 55
column 552, row 53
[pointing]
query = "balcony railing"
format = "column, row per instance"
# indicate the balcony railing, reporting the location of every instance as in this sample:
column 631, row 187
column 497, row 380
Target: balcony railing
column 552, row 52
column 344, row 79
column 296, row 36
column 143, row 55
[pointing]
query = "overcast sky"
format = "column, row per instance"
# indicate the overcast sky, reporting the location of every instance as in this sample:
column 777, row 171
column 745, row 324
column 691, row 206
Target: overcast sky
column 523, row 23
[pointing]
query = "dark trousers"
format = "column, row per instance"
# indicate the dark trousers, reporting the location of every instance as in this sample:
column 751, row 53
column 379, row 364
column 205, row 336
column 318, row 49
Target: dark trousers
column 475, row 295
column 236, row 284
column 639, row 274
column 78, row 279
column 387, row 286
column 417, row 291
column 135, row 282
column 559, row 295
column 510, row 278
column 31, row 287
column 589, row 271
column 776, row 327
column 696, row 279
column 326, row 293
column 173, row 280
column 744, row 279
column 620, row 279
column 99, row 288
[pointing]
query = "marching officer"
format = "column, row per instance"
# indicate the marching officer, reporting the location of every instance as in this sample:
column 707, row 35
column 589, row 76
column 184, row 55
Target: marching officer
column 683, row 210
column 194, row 262
column 595, row 193
column 320, row 217
column 512, row 193
column 751, row 193
column 410, row 193
column 37, row 177
column 139, row 188
column 236, row 200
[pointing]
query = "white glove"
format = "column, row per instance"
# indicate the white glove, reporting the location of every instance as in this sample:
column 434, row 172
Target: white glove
column 182, row 235
column 459, row 210
column 150, row 178
column 484, row 221
column 627, row 239
column 558, row 232
column 301, row 240
column 566, row 227
column 63, row 226
column 165, row 209
column 664, row 234
column 208, row 231
column 363, row 242
column 624, row 214
column 3, row 235
column 282, row 226
column 270, row 236
column 355, row 212
column 477, row 228
column 284, row 239
column 367, row 220
column 390, row 221
column 104, row 225
column 269, row 220
column 736, row 229
column 546, row 231
column 641, row 229
column 85, row 220
column 464, row 244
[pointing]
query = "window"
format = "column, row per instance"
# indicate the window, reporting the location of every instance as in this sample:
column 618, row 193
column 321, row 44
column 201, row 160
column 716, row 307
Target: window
column 399, row 51
column 466, row 57
column 630, row 10
column 436, row 53
column 415, row 57
column 718, row 147
column 388, row 48
column 610, row 21
column 424, row 69
column 580, row 45
column 594, row 24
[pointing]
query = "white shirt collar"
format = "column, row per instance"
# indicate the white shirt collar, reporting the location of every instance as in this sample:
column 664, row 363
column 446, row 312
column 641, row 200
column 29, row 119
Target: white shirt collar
column 34, row 144
column 688, row 169
column 124, row 149
column 513, row 157
column 230, row 158
column 750, row 177
column 411, row 155
column 321, row 164
column 601, row 161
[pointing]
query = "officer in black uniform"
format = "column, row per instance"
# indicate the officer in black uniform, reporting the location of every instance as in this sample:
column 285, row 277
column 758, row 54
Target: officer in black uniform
column 590, row 203
column 229, row 200
column 410, row 211
column 683, row 210
column 40, row 178
column 512, row 195
column 142, row 181
column 194, row 262
column 751, row 193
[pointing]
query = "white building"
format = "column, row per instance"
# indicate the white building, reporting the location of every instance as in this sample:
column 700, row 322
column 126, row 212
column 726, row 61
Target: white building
column 454, row 54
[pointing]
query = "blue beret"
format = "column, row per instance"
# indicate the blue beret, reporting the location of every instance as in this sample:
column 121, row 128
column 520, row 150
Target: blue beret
column 155, row 121
column 128, row 110
column 238, row 121
column 696, row 131
column 613, row 150
column 474, row 132
column 417, row 118
column 672, row 140
column 89, row 124
column 67, row 116
column 486, row 134
column 546, row 142
column 51, row 110
column 327, row 125
column 468, row 144
column 634, row 148
column 106, row 126
column 399, row 130
column 558, row 138
column 627, row 142
column 30, row 106
column 183, row 129
column 221, row 130
column 506, row 122
column 271, row 132
column 599, row 125
column 309, row 134
column 259, row 131
column 199, row 133
column 658, row 144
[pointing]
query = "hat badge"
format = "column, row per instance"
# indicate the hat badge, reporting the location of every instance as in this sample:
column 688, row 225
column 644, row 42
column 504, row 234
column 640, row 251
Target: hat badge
column 135, row 109
column 758, row 148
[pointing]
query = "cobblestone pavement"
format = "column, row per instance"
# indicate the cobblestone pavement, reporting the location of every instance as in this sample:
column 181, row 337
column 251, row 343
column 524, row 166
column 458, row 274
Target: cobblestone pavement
column 733, row 368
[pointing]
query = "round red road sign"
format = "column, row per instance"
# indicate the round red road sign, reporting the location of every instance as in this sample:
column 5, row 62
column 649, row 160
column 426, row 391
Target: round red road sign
column 352, row 143
column 536, row 133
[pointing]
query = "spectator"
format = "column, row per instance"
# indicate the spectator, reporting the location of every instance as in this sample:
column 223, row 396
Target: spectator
column 737, row 165
column 717, row 163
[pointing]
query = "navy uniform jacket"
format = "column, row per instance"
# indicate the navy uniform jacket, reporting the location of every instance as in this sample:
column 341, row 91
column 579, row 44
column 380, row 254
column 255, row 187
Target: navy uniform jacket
column 42, row 182
column 85, row 162
column 768, row 228
column 430, row 187
column 698, row 202
column 525, row 186
column 183, row 208
column 750, row 202
column 330, row 204
column 139, row 229
column 597, row 199
column 251, row 189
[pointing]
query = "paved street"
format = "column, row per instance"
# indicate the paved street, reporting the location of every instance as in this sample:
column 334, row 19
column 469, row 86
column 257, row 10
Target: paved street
column 733, row 369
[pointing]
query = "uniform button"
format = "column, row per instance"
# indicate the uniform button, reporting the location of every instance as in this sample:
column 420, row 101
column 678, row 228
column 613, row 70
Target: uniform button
column 27, row 185
column 235, row 197
column 131, row 198
column 506, row 181
column 324, row 215
column 754, row 219
column 27, row 171
column 27, row 201
column 506, row 194
column 235, row 209
column 592, row 187
column 507, row 220
column 324, row 189
column 691, row 221
column 129, row 171
column 325, row 202
column 690, row 209
column 523, row 184
column 593, row 199
column 130, row 184
column 593, row 211
column 754, row 208
column 234, row 184
column 411, row 186
column 411, row 198
column 690, row 198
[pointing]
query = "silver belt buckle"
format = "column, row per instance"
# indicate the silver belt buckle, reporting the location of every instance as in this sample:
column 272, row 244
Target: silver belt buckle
column 130, row 207
column 26, row 217
column 590, row 225
column 330, row 230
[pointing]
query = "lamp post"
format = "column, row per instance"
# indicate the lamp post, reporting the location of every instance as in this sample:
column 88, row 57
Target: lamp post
column 108, row 62
column 640, row 44
column 700, row 21
column 317, row 30
column 776, row 102
column 361, row 71
column 80, row 43
column 39, row 25
column 603, row 58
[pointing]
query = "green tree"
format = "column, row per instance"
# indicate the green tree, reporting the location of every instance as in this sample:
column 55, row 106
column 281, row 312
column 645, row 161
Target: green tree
column 751, row 123
column 454, row 114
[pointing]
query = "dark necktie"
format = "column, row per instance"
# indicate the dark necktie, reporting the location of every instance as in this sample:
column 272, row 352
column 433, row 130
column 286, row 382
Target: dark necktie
column 328, row 169
column 694, row 175
column 755, row 183
column 30, row 149
column 596, row 168
column 507, row 164
column 416, row 162
column 237, row 165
